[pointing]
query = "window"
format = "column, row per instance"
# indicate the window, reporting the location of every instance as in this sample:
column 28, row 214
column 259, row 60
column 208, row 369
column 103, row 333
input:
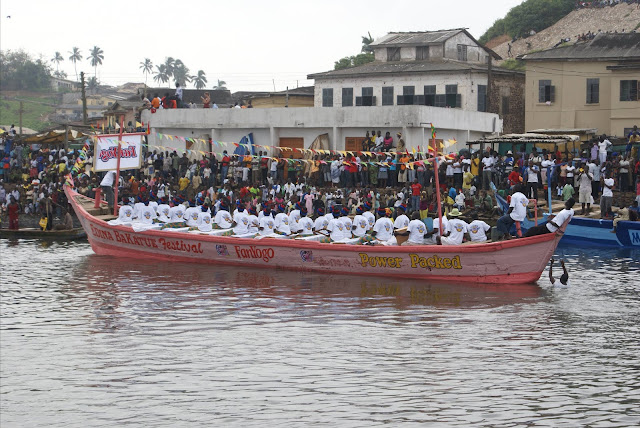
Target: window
column 387, row 95
column 546, row 92
column 628, row 90
column 367, row 98
column 422, row 52
column 482, row 98
column 347, row 97
column 327, row 97
column 407, row 97
column 393, row 54
column 462, row 52
column 504, row 107
column 440, row 100
column 593, row 91
column 367, row 92
column 430, row 95
column 453, row 99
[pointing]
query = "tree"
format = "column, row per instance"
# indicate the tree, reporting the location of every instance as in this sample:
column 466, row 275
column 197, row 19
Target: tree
column 181, row 73
column 353, row 61
column 74, row 58
column 60, row 74
column 92, row 84
column 19, row 71
column 96, row 55
column 169, row 66
column 200, row 80
column 221, row 85
column 161, row 75
column 366, row 42
column 146, row 67
column 57, row 58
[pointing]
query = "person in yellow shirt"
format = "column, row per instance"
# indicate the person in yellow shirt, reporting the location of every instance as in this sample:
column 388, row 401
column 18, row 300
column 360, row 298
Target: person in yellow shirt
column 402, row 175
column 475, row 165
column 467, row 179
column 183, row 183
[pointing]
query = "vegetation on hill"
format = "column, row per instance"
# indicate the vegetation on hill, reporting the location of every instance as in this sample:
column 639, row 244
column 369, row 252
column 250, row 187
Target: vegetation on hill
column 36, row 110
column 19, row 71
column 365, row 55
column 530, row 15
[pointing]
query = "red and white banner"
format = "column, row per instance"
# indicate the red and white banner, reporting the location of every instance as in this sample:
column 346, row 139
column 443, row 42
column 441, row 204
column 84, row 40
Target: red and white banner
column 105, row 153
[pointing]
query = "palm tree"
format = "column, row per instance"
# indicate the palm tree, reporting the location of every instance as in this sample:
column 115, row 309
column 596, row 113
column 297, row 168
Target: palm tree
column 221, row 85
column 96, row 55
column 169, row 65
column 181, row 73
column 200, row 80
column 161, row 74
column 366, row 42
column 74, row 58
column 57, row 58
column 146, row 67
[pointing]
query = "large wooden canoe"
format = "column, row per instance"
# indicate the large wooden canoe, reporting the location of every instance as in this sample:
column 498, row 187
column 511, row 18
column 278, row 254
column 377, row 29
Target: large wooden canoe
column 516, row 261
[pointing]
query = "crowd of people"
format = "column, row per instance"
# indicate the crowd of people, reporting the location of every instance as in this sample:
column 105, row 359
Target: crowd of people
column 382, row 176
column 603, row 3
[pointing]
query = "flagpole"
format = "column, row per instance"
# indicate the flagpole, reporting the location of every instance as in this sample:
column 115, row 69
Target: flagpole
column 438, row 199
column 117, row 183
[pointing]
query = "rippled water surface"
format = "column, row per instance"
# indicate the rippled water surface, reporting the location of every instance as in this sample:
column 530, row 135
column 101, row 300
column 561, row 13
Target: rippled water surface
column 87, row 340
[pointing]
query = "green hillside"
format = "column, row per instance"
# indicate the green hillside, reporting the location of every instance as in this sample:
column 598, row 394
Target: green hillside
column 35, row 114
column 530, row 15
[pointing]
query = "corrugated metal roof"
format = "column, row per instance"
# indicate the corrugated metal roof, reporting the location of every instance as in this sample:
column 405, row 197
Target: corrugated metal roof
column 604, row 47
column 416, row 38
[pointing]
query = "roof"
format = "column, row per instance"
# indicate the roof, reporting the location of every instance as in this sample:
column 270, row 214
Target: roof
column 565, row 131
column 303, row 91
column 604, row 47
column 429, row 66
column 424, row 38
column 526, row 138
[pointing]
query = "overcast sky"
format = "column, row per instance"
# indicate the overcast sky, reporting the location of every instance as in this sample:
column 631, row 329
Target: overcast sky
column 248, row 44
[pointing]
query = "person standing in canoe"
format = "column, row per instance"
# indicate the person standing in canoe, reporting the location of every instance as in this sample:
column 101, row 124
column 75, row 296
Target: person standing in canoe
column 13, row 210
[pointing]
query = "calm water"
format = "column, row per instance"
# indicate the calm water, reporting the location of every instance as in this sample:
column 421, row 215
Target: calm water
column 92, row 341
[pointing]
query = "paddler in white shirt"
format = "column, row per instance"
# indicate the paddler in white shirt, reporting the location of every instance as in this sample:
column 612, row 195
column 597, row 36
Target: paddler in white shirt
column 240, row 221
column 321, row 221
column 191, row 214
column 335, row 226
column 253, row 220
column 478, row 229
column 555, row 222
column 517, row 213
column 294, row 216
column 346, row 222
column 163, row 213
column 204, row 220
column 366, row 213
column 402, row 220
column 416, row 230
column 456, row 229
column 282, row 221
column 223, row 219
column 360, row 226
column 267, row 224
column 383, row 228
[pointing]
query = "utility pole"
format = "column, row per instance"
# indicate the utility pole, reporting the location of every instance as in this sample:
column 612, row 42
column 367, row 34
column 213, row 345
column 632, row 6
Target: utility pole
column 85, row 120
column 20, row 112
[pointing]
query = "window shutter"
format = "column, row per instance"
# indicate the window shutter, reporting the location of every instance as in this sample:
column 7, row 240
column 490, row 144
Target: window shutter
column 596, row 93
column 589, row 92
column 458, row 100
column 358, row 101
column 552, row 96
column 420, row 100
column 400, row 100
column 541, row 93
column 634, row 90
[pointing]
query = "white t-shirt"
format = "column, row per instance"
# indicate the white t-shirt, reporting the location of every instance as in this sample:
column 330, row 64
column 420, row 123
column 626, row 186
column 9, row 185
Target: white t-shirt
column 488, row 163
column 146, row 215
column 305, row 225
column 570, row 169
column 360, row 225
column 383, row 228
column 253, row 224
column 607, row 191
column 416, row 230
column 204, row 221
column 268, row 225
column 191, row 216
column 532, row 174
column 320, row 223
column 519, row 203
column 223, row 219
column 108, row 179
column 242, row 223
column 282, row 223
column 401, row 222
column 294, row 216
column 176, row 214
column 456, row 228
column 564, row 215
column 371, row 219
column 477, row 230
column 163, row 212
column 603, row 145
column 337, row 229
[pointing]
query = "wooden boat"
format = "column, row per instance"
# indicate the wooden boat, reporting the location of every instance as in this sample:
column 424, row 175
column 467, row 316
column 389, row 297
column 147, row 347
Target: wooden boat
column 38, row 233
column 517, row 261
column 590, row 231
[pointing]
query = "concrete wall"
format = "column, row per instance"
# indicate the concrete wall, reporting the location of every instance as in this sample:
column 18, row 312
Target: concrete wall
column 475, row 54
column 467, row 86
column 512, row 87
column 268, row 125
column 570, row 109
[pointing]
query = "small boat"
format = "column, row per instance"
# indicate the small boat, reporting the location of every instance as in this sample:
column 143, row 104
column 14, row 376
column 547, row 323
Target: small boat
column 516, row 261
column 587, row 231
column 38, row 233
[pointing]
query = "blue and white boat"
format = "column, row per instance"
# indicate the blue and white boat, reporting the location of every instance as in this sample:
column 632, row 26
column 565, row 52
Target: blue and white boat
column 590, row 231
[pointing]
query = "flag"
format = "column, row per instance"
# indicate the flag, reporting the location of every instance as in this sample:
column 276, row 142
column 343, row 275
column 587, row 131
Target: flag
column 433, row 132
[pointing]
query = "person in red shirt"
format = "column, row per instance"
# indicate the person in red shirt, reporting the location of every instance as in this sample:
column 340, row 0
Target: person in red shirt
column 13, row 210
column 514, row 178
column 416, row 188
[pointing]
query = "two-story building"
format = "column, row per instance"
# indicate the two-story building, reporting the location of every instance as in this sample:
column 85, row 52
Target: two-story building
column 446, row 68
column 592, row 84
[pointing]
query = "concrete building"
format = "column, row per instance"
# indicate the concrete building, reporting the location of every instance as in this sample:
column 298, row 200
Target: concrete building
column 346, row 127
column 63, row 85
column 447, row 69
column 592, row 84
column 296, row 97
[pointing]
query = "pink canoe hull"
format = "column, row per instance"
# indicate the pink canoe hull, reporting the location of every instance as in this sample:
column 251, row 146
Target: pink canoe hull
column 510, row 262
